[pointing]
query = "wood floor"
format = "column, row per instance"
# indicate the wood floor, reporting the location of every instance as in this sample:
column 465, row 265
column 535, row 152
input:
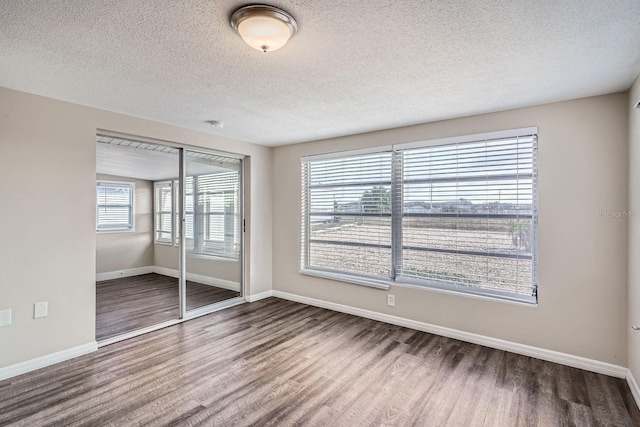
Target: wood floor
column 124, row 305
column 280, row 363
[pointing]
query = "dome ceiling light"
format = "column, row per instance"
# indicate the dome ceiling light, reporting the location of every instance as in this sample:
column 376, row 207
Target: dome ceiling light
column 263, row 27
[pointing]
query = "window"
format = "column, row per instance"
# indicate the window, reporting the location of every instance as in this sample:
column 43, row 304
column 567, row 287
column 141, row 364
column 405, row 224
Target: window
column 216, row 217
column 348, row 215
column 164, row 212
column 456, row 214
column 114, row 210
column 212, row 213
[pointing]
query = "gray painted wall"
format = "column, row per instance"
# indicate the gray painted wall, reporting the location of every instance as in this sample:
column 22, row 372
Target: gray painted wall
column 47, row 143
column 585, row 305
column 582, row 310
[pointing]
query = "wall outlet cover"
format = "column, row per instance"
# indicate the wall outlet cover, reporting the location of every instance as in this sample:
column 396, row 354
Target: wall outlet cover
column 40, row 309
column 5, row 317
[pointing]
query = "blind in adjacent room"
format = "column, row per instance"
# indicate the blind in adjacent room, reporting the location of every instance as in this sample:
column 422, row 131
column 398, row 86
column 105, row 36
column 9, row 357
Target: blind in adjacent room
column 163, row 212
column 217, row 220
column 114, row 206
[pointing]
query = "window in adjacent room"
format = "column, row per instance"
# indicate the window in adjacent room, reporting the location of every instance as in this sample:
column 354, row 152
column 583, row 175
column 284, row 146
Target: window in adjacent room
column 455, row 214
column 164, row 209
column 212, row 214
column 114, row 212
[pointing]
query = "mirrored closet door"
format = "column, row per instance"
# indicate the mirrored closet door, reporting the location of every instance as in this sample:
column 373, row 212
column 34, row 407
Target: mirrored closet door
column 169, row 242
column 212, row 229
column 136, row 257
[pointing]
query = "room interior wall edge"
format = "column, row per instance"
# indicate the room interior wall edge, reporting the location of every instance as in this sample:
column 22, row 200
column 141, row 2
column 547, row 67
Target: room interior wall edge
column 633, row 297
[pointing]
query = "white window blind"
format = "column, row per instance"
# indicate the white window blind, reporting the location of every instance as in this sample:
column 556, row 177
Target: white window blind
column 163, row 212
column 114, row 211
column 212, row 213
column 216, row 220
column 468, row 214
column 347, row 205
column 458, row 214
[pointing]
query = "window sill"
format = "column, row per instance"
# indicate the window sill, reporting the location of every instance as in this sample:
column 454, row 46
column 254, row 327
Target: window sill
column 451, row 289
column 115, row 231
column 211, row 257
column 424, row 285
column 372, row 283
column 198, row 255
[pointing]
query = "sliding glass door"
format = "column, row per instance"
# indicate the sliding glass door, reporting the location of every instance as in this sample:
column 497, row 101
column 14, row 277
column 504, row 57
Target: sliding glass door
column 212, row 231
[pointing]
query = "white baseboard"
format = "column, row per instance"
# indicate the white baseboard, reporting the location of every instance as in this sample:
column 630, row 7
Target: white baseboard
column 633, row 385
column 129, row 272
column 48, row 360
column 166, row 271
column 258, row 297
column 205, row 280
column 526, row 350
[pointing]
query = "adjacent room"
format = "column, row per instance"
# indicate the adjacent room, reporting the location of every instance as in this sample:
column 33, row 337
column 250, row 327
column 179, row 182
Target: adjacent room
column 320, row 213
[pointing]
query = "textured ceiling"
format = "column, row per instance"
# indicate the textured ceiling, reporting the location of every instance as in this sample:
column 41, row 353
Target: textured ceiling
column 354, row 66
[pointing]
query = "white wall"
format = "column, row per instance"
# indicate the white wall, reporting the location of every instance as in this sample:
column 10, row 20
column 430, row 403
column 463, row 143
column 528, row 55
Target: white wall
column 131, row 249
column 582, row 257
column 634, row 231
column 48, row 165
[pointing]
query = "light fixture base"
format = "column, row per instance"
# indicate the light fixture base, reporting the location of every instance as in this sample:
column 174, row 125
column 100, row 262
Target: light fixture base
column 218, row 124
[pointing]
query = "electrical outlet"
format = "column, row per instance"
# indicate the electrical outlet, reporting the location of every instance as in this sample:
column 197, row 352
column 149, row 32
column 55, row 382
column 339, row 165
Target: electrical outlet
column 40, row 309
column 391, row 300
column 5, row 317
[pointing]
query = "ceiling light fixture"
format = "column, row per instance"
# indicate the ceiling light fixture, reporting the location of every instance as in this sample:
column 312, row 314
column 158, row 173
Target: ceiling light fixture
column 263, row 27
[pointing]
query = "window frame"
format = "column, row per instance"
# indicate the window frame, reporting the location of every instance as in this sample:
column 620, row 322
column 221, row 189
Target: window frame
column 130, row 227
column 397, row 217
column 157, row 186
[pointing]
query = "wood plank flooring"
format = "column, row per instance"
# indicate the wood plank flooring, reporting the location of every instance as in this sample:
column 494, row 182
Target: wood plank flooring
column 124, row 305
column 280, row 363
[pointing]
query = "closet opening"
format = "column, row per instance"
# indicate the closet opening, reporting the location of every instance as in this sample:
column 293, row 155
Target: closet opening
column 169, row 235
